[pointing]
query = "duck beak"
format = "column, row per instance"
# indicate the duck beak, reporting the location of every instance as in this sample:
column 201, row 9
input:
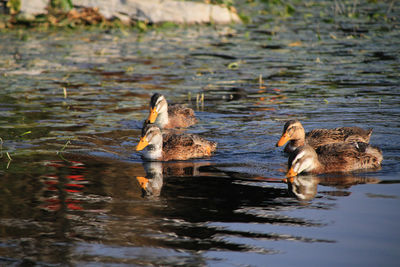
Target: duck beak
column 142, row 182
column 142, row 144
column 153, row 115
column 291, row 173
column 284, row 138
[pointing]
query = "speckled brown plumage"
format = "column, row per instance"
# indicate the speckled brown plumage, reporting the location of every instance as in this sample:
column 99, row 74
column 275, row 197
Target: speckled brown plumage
column 180, row 117
column 320, row 137
column 173, row 146
column 167, row 117
column 186, row 146
column 337, row 157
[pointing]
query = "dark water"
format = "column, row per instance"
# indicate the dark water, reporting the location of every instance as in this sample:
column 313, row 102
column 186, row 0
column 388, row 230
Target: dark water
column 71, row 196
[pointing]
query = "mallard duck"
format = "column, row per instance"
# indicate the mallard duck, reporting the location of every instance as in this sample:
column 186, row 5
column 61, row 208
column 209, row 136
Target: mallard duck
column 170, row 146
column 165, row 117
column 337, row 157
column 294, row 132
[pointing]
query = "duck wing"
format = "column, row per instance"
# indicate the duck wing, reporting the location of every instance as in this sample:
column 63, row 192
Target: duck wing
column 181, row 116
column 186, row 146
column 321, row 137
column 344, row 157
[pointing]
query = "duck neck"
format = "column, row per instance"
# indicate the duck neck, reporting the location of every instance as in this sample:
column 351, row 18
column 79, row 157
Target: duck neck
column 162, row 118
column 299, row 137
column 295, row 143
column 153, row 152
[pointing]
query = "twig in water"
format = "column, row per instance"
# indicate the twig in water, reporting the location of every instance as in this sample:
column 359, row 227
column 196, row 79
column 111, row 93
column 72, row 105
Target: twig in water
column 200, row 100
column 9, row 159
column 25, row 133
column 1, row 153
column 354, row 7
column 390, row 7
column 65, row 145
column 261, row 82
column 1, row 147
column 62, row 149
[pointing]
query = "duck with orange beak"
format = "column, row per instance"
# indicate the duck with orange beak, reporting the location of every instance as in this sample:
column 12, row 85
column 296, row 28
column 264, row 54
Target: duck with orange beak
column 337, row 157
column 176, row 116
column 170, row 146
column 293, row 132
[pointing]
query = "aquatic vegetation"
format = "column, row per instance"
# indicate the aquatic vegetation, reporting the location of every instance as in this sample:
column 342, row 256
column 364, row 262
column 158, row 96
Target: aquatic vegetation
column 64, row 5
column 279, row 7
column 14, row 6
column 233, row 65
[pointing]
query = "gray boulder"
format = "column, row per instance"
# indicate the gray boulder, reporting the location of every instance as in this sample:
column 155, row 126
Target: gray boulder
column 151, row 11
column 156, row 11
column 34, row 7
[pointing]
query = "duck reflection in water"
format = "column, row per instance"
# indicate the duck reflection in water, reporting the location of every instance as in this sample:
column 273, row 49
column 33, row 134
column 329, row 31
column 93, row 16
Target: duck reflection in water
column 305, row 187
column 151, row 184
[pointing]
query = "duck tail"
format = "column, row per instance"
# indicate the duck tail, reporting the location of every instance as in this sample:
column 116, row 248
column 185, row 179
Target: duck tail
column 371, row 159
column 369, row 132
column 213, row 146
column 376, row 155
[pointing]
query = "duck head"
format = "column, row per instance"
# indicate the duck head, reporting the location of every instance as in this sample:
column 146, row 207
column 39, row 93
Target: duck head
column 158, row 109
column 151, row 139
column 293, row 130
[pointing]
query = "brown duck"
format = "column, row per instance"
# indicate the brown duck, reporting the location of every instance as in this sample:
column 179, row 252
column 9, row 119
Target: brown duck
column 294, row 132
column 171, row 146
column 177, row 116
column 337, row 157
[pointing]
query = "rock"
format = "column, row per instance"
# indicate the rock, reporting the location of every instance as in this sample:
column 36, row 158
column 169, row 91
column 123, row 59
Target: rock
column 33, row 7
column 158, row 11
column 151, row 11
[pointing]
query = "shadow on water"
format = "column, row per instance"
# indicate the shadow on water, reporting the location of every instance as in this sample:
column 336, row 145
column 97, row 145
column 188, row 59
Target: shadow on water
column 70, row 202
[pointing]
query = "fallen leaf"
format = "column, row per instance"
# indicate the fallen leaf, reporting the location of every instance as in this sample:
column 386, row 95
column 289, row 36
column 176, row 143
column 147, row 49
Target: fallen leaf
column 298, row 43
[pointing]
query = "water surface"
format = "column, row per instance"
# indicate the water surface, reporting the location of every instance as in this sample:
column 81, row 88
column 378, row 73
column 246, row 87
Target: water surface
column 72, row 104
